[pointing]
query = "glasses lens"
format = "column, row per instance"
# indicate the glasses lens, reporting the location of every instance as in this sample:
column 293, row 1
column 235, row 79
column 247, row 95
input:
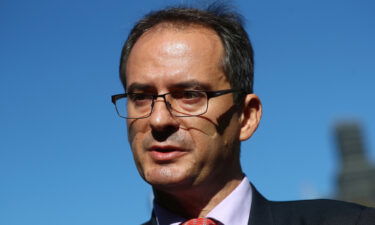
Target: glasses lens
column 180, row 103
column 121, row 108
column 134, row 106
column 187, row 103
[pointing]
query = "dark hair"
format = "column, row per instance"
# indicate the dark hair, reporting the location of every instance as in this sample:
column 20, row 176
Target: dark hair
column 238, row 64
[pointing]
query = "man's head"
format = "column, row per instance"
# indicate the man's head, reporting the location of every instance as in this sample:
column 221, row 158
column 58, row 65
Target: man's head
column 237, row 61
column 182, row 50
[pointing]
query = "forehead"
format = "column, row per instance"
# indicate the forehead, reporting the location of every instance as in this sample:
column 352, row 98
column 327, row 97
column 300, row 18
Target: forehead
column 169, row 53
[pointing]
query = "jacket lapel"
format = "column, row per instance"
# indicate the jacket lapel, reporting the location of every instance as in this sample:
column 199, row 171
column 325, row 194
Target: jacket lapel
column 260, row 213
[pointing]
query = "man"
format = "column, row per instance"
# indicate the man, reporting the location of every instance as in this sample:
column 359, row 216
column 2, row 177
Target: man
column 189, row 103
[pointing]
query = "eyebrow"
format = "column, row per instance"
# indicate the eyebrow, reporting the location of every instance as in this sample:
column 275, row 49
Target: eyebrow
column 139, row 86
column 191, row 84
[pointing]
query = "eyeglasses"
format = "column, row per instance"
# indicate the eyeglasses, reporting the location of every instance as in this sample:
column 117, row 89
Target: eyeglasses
column 179, row 103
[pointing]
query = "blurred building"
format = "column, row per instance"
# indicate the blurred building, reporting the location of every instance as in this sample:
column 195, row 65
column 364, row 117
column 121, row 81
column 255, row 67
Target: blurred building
column 356, row 178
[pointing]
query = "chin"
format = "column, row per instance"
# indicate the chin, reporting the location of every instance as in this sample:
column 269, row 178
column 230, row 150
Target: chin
column 165, row 177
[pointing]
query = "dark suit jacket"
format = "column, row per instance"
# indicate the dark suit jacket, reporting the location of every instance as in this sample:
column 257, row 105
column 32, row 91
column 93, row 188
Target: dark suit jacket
column 307, row 212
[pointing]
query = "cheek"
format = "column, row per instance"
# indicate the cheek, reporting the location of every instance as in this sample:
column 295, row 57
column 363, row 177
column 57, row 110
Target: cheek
column 140, row 159
column 135, row 130
column 209, row 137
column 204, row 134
column 135, row 137
column 206, row 140
column 131, row 130
column 204, row 126
column 136, row 150
column 208, row 134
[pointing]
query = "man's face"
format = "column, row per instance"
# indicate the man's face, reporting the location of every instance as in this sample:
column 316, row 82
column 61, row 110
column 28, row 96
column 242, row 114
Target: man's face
column 182, row 152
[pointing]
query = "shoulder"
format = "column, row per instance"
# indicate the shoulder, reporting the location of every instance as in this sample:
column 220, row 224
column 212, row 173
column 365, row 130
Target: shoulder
column 308, row 212
column 152, row 220
column 322, row 212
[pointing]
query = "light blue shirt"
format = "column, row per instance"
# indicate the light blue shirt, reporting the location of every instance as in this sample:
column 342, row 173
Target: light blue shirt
column 233, row 210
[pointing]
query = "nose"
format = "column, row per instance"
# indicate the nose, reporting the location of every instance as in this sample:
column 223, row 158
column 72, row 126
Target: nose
column 161, row 119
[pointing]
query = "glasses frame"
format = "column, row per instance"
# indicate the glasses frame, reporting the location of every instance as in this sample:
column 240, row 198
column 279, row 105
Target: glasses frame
column 209, row 94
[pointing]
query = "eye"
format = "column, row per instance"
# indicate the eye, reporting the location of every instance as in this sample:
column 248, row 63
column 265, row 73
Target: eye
column 189, row 98
column 139, row 98
column 191, row 95
column 187, row 95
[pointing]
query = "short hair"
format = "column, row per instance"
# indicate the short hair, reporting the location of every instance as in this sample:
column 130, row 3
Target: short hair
column 237, row 62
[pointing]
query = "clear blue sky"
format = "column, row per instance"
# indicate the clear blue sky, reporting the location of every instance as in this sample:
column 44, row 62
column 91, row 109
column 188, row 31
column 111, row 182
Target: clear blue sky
column 64, row 157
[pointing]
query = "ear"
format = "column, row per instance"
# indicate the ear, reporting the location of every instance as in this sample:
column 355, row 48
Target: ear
column 250, row 117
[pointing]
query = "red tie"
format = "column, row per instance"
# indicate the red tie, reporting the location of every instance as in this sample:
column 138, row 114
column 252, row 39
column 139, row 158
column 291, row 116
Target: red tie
column 200, row 221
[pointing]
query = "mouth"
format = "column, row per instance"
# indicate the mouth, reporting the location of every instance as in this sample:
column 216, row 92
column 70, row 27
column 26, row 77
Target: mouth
column 166, row 154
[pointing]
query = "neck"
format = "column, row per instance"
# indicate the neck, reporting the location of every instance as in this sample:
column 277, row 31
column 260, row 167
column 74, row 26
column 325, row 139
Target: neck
column 197, row 201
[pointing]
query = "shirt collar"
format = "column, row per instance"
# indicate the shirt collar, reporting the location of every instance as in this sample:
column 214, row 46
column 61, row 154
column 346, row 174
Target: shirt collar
column 233, row 210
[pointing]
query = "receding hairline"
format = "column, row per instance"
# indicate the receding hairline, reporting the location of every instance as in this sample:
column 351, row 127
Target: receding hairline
column 180, row 25
column 183, row 26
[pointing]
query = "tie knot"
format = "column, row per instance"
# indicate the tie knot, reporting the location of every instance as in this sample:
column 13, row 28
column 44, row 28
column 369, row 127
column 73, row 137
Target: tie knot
column 200, row 221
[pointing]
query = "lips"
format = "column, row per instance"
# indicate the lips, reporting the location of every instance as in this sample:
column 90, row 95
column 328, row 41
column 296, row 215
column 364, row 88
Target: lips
column 166, row 154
